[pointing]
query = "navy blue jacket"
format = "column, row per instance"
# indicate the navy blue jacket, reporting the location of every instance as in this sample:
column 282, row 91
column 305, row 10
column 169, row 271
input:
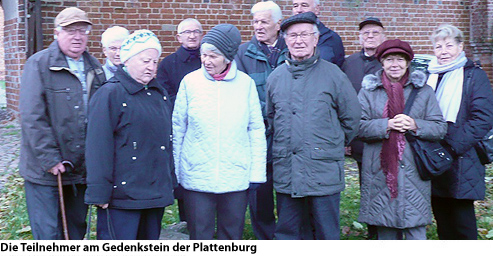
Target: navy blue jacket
column 465, row 180
column 129, row 152
column 330, row 45
column 174, row 67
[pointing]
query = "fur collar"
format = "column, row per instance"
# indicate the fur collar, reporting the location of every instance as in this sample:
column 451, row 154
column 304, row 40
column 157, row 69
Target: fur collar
column 373, row 81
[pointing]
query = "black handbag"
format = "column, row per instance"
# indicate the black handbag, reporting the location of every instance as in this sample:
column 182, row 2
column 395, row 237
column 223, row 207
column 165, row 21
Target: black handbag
column 430, row 157
column 484, row 148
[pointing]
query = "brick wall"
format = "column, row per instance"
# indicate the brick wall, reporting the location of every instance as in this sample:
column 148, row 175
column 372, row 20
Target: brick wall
column 410, row 20
column 15, row 48
column 2, row 51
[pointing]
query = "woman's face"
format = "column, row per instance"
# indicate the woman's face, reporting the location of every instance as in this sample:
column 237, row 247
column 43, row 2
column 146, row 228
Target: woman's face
column 395, row 66
column 143, row 66
column 447, row 50
column 213, row 63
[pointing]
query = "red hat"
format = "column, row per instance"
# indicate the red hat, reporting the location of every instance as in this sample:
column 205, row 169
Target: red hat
column 394, row 46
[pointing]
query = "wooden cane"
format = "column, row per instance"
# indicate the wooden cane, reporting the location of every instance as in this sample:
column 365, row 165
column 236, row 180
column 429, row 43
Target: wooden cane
column 62, row 207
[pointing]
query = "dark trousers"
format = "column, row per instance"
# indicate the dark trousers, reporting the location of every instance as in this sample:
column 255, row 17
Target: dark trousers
column 202, row 208
column 456, row 219
column 129, row 224
column 43, row 207
column 323, row 210
column 261, row 202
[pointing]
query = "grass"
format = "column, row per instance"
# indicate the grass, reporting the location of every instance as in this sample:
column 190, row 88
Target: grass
column 14, row 222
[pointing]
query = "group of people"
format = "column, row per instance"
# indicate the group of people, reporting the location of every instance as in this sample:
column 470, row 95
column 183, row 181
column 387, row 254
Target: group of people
column 222, row 126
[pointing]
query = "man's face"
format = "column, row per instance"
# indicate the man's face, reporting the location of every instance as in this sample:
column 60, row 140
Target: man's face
column 266, row 30
column 112, row 52
column 301, row 6
column 72, row 39
column 190, row 36
column 371, row 36
column 301, row 41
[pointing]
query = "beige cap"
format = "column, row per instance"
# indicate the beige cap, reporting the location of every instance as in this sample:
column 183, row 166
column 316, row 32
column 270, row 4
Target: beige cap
column 71, row 15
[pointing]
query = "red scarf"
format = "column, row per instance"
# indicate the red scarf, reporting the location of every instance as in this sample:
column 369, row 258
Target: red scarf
column 393, row 147
column 222, row 75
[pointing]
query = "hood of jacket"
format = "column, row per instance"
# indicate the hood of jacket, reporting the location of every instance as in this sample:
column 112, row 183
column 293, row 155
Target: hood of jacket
column 372, row 81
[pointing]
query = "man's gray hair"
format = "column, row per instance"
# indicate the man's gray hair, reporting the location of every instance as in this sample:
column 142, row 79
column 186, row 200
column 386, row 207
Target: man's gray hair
column 112, row 34
column 182, row 24
column 447, row 31
column 213, row 48
column 276, row 13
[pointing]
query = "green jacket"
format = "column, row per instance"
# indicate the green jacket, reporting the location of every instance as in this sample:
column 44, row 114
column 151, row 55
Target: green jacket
column 251, row 60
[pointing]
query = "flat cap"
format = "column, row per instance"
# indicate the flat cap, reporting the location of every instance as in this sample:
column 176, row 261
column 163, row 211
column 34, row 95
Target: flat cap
column 394, row 46
column 71, row 15
column 370, row 20
column 305, row 17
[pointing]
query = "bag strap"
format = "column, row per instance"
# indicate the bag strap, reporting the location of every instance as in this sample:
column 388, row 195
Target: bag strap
column 410, row 101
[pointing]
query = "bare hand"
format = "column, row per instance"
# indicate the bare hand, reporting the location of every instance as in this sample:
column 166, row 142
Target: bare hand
column 59, row 168
column 103, row 206
column 402, row 123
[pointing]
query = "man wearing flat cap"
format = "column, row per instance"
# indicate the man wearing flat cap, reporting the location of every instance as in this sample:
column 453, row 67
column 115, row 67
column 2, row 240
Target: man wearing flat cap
column 56, row 85
column 312, row 112
column 329, row 42
column 356, row 66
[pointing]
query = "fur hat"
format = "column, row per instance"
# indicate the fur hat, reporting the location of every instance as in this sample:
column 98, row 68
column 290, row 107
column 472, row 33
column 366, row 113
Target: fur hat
column 137, row 42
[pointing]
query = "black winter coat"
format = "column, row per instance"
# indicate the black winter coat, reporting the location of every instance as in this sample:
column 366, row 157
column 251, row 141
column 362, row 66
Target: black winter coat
column 465, row 180
column 174, row 67
column 129, row 150
column 330, row 45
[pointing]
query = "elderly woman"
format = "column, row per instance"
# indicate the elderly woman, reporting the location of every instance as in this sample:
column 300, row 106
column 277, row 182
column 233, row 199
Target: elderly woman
column 219, row 139
column 130, row 169
column 465, row 98
column 393, row 196
column 112, row 39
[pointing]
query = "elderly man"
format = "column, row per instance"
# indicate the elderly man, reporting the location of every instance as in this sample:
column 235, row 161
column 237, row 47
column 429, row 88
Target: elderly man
column 258, row 58
column 186, row 59
column 112, row 39
column 312, row 111
column 329, row 42
column 55, row 88
column 356, row 66
column 174, row 67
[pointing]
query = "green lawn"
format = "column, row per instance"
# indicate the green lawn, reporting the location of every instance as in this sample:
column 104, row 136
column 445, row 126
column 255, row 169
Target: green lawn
column 14, row 222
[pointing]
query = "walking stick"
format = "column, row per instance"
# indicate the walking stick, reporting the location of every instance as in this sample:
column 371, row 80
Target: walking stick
column 62, row 207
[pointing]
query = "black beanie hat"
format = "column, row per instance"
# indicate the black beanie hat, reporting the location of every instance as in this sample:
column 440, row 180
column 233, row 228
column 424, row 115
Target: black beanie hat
column 226, row 38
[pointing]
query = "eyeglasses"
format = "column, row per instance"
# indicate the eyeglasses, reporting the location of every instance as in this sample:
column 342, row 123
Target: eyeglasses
column 189, row 32
column 81, row 31
column 375, row 33
column 114, row 48
column 293, row 36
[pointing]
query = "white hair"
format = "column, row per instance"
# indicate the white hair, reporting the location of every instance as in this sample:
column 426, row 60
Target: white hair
column 213, row 48
column 275, row 10
column 182, row 24
column 112, row 34
column 447, row 31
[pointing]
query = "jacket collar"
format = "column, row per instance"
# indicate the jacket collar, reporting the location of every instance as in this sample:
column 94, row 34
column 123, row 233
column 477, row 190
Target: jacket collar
column 57, row 60
column 253, row 51
column 131, row 85
column 230, row 76
column 185, row 55
column 372, row 81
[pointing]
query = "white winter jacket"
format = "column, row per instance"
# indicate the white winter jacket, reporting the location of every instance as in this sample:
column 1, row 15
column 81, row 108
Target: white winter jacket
column 218, row 133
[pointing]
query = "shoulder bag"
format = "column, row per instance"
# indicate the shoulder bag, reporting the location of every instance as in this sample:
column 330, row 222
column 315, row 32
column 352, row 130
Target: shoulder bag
column 430, row 157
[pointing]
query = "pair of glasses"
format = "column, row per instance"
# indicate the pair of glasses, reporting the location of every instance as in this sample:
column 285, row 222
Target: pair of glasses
column 81, row 31
column 304, row 36
column 189, row 32
column 374, row 33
